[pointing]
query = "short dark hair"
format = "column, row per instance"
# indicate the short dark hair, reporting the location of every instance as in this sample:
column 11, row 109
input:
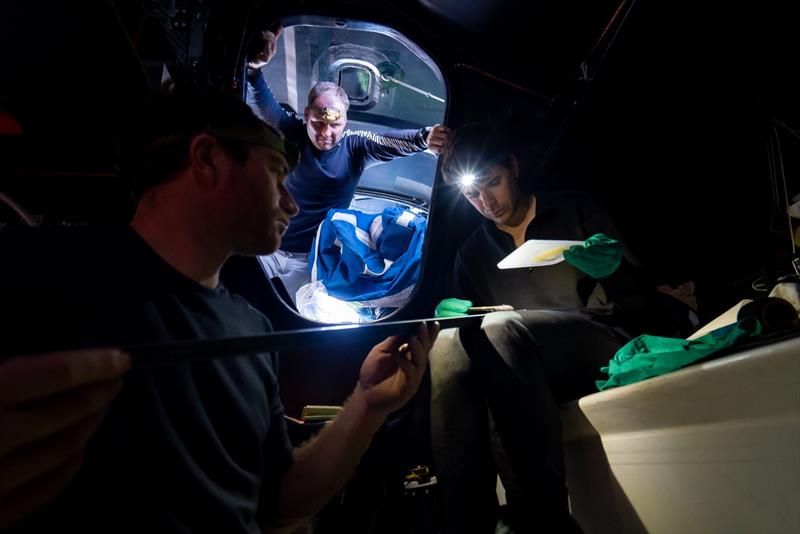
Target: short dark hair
column 156, row 146
column 328, row 87
column 473, row 148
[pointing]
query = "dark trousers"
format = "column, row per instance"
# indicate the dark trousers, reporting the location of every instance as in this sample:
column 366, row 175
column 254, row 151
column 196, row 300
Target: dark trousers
column 521, row 366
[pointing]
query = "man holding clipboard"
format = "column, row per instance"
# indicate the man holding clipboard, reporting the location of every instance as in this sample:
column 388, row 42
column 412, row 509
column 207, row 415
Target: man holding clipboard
column 571, row 317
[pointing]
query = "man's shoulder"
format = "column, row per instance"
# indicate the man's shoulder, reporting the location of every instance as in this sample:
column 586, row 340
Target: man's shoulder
column 357, row 136
column 569, row 197
column 57, row 245
column 358, row 142
column 247, row 310
column 570, row 204
column 475, row 243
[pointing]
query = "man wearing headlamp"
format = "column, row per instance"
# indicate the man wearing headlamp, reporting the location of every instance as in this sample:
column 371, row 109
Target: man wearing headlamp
column 331, row 162
column 569, row 320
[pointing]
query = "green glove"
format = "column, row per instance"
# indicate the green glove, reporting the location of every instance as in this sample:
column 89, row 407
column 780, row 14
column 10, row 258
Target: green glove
column 452, row 308
column 599, row 256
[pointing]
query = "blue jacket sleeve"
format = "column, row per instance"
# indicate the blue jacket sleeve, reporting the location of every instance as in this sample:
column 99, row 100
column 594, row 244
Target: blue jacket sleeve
column 266, row 107
column 376, row 148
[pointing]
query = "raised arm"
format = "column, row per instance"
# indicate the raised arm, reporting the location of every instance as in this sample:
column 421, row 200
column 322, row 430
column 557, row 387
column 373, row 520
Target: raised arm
column 374, row 147
column 437, row 138
column 260, row 97
column 389, row 377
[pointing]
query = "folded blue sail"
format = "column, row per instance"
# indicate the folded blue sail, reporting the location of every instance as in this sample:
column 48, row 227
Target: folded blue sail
column 371, row 258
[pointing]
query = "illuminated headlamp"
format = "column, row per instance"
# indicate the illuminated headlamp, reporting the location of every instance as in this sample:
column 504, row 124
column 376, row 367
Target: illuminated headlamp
column 474, row 169
column 465, row 180
column 328, row 114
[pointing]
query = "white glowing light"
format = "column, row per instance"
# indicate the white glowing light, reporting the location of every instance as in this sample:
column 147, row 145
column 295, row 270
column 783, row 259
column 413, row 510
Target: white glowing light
column 467, row 179
column 314, row 302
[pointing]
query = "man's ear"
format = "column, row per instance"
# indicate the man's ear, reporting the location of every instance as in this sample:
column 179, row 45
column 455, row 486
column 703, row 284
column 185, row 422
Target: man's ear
column 306, row 113
column 203, row 151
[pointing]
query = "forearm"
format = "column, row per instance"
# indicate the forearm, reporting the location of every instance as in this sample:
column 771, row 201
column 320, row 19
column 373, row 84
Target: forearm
column 263, row 102
column 325, row 464
column 392, row 144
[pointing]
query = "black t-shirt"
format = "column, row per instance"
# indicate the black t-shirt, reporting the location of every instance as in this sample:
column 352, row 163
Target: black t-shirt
column 625, row 300
column 184, row 448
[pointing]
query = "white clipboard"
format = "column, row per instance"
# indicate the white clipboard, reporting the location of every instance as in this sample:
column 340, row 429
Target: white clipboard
column 537, row 253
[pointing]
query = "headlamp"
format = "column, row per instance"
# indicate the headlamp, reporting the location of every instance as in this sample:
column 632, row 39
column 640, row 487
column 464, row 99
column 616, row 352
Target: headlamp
column 467, row 179
column 328, row 114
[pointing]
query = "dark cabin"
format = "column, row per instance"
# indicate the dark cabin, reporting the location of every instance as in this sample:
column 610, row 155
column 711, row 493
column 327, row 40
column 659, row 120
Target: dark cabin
column 683, row 119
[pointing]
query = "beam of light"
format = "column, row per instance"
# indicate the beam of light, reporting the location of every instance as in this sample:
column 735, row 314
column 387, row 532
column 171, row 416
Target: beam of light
column 467, row 179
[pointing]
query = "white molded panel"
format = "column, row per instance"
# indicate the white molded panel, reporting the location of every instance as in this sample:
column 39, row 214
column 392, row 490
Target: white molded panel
column 713, row 448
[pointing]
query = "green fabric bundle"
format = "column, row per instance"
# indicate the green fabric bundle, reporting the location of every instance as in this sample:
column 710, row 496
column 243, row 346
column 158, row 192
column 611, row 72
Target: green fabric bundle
column 647, row 356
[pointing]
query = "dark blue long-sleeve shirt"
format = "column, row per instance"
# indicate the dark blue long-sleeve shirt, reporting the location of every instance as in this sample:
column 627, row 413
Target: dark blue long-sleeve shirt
column 325, row 179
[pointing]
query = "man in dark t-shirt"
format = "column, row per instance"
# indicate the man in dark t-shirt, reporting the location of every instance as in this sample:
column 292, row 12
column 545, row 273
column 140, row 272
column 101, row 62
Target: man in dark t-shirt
column 182, row 434
column 570, row 318
column 192, row 447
